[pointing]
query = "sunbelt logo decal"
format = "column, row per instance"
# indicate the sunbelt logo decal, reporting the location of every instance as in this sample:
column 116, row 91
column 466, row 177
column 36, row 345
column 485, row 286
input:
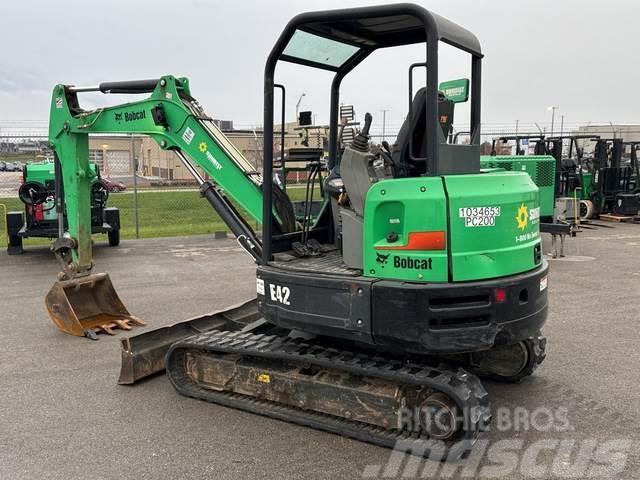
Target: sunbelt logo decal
column 524, row 216
column 204, row 148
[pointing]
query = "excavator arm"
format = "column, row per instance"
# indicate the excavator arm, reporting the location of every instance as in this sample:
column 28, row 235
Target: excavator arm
column 177, row 122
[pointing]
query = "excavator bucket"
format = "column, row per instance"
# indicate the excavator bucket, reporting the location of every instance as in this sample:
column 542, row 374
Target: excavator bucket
column 87, row 306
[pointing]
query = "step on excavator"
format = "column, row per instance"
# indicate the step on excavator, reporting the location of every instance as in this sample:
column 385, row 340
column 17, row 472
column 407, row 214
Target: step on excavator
column 375, row 318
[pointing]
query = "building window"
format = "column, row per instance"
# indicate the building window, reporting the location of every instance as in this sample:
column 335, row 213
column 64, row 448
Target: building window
column 97, row 157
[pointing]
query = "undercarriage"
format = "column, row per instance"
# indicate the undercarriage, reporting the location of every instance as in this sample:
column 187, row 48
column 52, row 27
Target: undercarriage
column 434, row 403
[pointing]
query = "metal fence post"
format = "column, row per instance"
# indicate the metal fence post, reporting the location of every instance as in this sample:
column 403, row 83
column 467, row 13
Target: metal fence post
column 134, row 163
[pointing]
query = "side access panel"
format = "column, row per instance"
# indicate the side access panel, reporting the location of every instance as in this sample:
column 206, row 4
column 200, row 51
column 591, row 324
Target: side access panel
column 494, row 225
column 405, row 230
column 335, row 305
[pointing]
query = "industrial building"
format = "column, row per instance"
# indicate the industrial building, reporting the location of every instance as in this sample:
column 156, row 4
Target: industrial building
column 628, row 132
column 114, row 153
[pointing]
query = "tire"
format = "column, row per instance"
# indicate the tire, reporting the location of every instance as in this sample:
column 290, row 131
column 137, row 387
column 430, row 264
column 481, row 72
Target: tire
column 15, row 245
column 586, row 209
column 114, row 237
column 115, row 190
column 14, row 222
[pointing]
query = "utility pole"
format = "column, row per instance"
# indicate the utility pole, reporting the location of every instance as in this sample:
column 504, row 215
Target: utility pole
column 384, row 123
column 561, row 124
column 553, row 109
column 298, row 105
column 134, row 167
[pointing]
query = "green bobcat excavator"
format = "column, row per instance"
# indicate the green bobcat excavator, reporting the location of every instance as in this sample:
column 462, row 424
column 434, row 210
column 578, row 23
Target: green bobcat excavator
column 375, row 318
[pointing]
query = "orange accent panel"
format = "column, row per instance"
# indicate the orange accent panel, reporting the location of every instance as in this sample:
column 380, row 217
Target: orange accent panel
column 421, row 241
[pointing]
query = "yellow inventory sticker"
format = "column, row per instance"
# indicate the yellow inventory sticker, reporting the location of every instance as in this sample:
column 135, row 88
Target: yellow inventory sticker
column 264, row 378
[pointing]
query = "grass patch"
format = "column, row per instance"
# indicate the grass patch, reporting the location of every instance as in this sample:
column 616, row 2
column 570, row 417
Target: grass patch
column 160, row 214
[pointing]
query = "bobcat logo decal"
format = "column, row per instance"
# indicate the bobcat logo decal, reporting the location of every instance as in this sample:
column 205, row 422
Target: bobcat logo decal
column 382, row 259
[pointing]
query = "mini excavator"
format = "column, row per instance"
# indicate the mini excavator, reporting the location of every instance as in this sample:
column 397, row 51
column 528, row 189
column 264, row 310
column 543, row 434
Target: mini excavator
column 420, row 273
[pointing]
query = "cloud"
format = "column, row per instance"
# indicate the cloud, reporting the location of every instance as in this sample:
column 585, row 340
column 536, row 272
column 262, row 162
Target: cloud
column 14, row 80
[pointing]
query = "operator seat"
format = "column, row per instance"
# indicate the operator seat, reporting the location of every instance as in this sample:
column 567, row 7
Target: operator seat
column 412, row 135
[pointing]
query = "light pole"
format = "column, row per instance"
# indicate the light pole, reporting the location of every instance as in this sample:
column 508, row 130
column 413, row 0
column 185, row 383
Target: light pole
column 298, row 105
column 553, row 109
column 384, row 123
column 105, row 163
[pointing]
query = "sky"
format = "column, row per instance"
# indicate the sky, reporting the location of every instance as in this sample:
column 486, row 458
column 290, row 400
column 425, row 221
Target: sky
column 579, row 56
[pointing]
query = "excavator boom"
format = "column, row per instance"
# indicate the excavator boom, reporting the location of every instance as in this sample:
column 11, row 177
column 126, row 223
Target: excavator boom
column 81, row 303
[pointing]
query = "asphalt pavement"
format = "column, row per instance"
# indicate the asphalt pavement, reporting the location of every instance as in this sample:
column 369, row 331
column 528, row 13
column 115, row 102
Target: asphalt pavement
column 64, row 417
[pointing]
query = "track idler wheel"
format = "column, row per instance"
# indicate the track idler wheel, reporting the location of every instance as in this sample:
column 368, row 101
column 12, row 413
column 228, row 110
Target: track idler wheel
column 510, row 363
column 439, row 416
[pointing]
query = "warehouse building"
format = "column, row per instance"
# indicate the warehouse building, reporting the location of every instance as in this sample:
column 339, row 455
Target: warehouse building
column 162, row 164
column 628, row 132
column 114, row 154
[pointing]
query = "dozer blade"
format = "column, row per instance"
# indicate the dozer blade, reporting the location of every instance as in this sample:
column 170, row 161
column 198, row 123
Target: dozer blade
column 87, row 306
column 143, row 354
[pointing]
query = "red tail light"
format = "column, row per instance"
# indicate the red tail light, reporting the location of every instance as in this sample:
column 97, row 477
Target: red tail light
column 501, row 295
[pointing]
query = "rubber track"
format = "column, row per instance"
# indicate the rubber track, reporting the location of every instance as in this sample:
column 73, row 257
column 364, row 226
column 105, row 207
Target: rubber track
column 464, row 388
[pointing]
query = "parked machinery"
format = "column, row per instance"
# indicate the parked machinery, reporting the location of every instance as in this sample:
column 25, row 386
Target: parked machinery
column 608, row 183
column 42, row 212
column 542, row 167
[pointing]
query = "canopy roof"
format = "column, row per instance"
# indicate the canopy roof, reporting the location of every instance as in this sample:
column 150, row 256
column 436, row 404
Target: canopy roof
column 334, row 38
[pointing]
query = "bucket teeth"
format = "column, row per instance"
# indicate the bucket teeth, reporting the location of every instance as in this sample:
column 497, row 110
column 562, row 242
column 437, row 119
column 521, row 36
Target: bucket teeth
column 106, row 328
column 122, row 324
column 136, row 321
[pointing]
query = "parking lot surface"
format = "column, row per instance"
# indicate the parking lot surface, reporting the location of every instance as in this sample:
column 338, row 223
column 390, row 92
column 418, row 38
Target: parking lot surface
column 64, row 417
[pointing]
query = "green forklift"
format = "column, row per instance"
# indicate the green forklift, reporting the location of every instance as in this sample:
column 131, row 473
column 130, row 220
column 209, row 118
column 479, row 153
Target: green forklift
column 420, row 274
column 610, row 182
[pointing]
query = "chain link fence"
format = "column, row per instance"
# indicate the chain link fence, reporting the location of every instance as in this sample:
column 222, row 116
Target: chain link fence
column 158, row 197
column 154, row 195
